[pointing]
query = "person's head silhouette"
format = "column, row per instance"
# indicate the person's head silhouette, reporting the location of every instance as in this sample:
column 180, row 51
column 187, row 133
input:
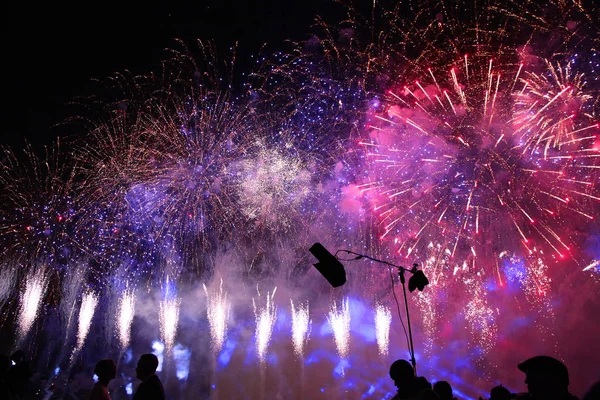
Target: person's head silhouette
column 401, row 372
column 500, row 393
column 443, row 390
column 106, row 370
column 146, row 366
column 545, row 377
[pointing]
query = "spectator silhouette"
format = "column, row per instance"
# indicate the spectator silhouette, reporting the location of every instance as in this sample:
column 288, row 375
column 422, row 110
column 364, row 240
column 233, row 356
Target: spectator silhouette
column 106, row 370
column 151, row 387
column 546, row 379
column 4, row 368
column 18, row 374
column 593, row 393
column 410, row 387
column 500, row 393
column 443, row 390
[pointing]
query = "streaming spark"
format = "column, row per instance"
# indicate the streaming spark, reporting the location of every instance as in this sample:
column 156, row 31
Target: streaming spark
column 86, row 313
column 265, row 317
column 31, row 299
column 592, row 265
column 218, row 309
column 301, row 327
column 383, row 320
column 126, row 313
column 339, row 319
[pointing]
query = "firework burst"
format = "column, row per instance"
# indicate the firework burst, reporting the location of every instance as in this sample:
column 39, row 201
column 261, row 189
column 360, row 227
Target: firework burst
column 39, row 214
column 448, row 165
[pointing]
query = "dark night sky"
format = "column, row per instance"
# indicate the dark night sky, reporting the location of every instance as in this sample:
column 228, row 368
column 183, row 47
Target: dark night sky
column 51, row 50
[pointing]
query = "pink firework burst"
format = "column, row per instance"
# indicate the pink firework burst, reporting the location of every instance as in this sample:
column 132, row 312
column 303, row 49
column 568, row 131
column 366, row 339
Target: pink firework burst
column 482, row 157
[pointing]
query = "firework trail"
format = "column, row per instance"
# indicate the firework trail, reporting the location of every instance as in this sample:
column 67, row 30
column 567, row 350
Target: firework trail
column 126, row 312
column 301, row 327
column 339, row 319
column 265, row 321
column 31, row 299
column 86, row 313
column 218, row 308
column 383, row 320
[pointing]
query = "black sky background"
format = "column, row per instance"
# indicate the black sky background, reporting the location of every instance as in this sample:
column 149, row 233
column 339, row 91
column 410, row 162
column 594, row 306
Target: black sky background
column 51, row 50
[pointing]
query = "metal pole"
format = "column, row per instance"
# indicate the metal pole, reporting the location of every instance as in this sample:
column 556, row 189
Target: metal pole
column 412, row 347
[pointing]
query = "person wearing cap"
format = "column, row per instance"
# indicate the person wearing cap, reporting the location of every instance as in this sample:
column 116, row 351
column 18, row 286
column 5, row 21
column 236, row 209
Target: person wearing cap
column 546, row 378
column 410, row 387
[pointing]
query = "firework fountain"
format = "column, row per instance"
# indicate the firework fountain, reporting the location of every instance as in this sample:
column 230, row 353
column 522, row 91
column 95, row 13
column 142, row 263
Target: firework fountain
column 266, row 316
column 339, row 319
column 301, row 327
column 383, row 320
column 31, row 300
column 126, row 312
column 168, row 319
column 218, row 310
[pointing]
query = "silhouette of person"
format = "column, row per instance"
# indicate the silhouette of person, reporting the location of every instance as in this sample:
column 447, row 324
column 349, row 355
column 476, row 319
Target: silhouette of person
column 546, row 379
column 443, row 390
column 106, row 370
column 593, row 393
column 18, row 375
column 410, row 387
column 500, row 393
column 4, row 368
column 151, row 387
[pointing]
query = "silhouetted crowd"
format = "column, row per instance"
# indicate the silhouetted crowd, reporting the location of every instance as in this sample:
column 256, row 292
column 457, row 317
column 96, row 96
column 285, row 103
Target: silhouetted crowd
column 546, row 378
